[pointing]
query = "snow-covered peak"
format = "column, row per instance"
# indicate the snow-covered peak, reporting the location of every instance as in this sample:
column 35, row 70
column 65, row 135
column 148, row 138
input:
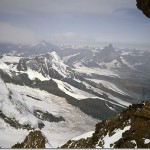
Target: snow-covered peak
column 55, row 56
column 109, row 48
column 48, row 65
column 58, row 65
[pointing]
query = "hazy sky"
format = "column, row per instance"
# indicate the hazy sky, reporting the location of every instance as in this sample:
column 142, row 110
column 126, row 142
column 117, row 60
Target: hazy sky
column 73, row 22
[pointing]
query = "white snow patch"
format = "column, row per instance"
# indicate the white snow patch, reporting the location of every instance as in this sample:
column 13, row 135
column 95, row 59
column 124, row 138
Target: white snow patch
column 10, row 136
column 72, row 91
column 110, row 108
column 46, row 65
column 65, row 59
column 133, row 141
column 48, row 145
column 126, row 63
column 58, row 65
column 146, row 141
column 34, row 74
column 4, row 66
column 126, row 53
column 83, row 136
column 109, row 85
column 115, row 137
column 82, row 69
column 10, row 59
column 99, row 91
column 111, row 65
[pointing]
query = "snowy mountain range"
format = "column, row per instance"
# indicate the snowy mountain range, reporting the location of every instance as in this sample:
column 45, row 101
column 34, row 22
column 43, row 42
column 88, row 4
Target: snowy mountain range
column 63, row 91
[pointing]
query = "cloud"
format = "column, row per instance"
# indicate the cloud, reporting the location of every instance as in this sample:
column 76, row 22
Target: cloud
column 60, row 6
column 16, row 35
column 71, row 38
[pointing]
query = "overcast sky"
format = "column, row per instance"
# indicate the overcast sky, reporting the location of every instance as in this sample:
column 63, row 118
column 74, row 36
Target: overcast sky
column 73, row 22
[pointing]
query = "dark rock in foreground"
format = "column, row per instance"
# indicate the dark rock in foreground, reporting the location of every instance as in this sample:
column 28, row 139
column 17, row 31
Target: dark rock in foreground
column 144, row 6
column 133, row 124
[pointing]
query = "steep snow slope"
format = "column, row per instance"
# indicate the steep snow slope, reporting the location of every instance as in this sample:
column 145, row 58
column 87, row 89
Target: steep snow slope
column 99, row 91
column 58, row 65
column 79, row 94
column 10, row 59
column 9, row 135
column 7, row 138
column 109, row 85
column 72, row 91
column 94, row 70
column 21, row 103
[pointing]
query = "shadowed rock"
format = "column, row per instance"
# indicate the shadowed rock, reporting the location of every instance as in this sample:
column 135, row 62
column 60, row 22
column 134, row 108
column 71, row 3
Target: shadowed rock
column 144, row 6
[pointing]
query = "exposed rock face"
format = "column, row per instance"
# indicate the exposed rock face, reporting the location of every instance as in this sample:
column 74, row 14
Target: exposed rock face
column 132, row 125
column 144, row 6
column 35, row 139
column 49, row 65
column 46, row 116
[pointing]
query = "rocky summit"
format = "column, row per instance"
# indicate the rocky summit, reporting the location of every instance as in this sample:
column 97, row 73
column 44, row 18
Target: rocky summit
column 35, row 139
column 129, row 129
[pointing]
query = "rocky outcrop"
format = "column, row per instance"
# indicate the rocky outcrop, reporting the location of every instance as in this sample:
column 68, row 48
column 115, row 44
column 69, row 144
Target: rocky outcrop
column 144, row 6
column 129, row 129
column 35, row 139
column 14, row 123
column 46, row 116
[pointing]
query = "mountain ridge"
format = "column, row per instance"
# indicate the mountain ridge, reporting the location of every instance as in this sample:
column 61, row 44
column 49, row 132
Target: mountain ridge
column 42, row 89
column 133, row 125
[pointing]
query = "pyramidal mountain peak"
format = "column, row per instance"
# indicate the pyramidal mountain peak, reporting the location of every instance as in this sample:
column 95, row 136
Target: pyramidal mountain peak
column 109, row 48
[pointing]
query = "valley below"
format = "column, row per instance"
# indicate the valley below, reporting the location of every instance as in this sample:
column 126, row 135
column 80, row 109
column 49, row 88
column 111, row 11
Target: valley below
column 65, row 91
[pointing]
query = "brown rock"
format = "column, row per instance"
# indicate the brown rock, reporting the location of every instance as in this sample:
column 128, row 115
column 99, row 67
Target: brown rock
column 35, row 139
column 136, row 116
